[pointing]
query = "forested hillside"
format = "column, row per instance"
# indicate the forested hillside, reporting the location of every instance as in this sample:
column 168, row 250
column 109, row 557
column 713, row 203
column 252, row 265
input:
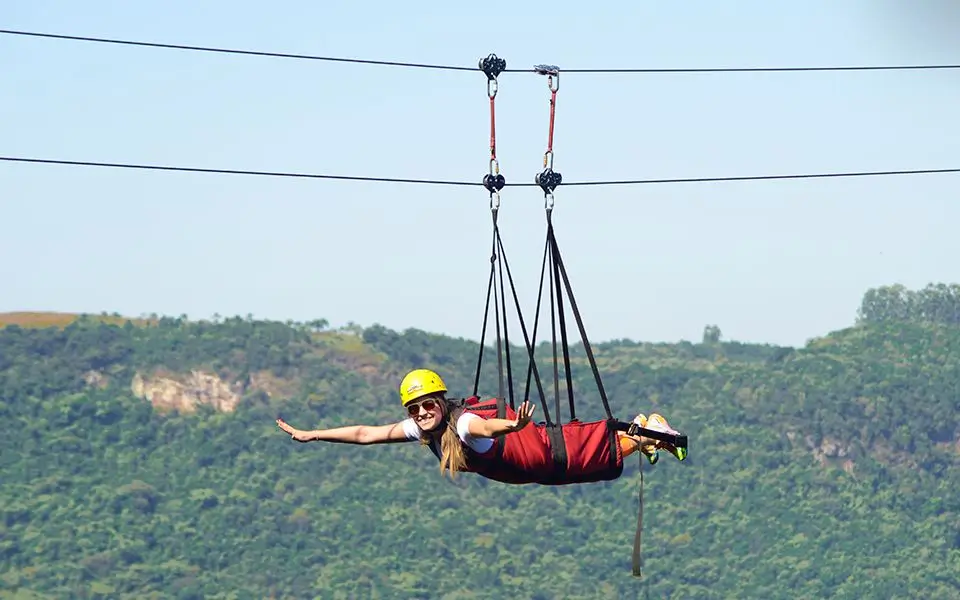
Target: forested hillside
column 140, row 459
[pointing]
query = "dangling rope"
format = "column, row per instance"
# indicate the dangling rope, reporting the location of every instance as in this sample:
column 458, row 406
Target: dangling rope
column 635, row 559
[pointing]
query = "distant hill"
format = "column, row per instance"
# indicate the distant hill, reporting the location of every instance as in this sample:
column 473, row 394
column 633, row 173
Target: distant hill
column 140, row 459
column 60, row 319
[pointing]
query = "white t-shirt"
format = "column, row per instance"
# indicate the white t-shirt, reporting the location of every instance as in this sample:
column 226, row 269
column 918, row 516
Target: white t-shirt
column 478, row 444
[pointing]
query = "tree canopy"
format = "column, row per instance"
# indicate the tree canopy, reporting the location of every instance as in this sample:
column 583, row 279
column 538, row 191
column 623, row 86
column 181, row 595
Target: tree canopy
column 829, row 470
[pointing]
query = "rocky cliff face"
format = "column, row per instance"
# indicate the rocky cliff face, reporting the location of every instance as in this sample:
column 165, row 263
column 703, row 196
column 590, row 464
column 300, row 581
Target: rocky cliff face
column 186, row 392
column 828, row 451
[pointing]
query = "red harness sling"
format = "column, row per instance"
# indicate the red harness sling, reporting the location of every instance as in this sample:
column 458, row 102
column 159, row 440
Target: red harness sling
column 561, row 454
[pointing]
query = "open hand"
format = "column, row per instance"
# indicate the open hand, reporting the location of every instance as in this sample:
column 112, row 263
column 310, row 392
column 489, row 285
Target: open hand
column 295, row 434
column 524, row 413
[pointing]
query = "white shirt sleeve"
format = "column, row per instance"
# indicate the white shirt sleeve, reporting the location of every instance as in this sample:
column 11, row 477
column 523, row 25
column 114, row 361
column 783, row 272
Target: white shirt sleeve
column 411, row 429
column 478, row 444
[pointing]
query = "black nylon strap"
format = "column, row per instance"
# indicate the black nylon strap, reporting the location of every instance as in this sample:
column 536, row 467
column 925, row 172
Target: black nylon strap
column 614, row 441
column 536, row 321
column 496, row 313
column 558, row 272
column 561, row 314
column 553, row 329
column 497, row 289
column 486, row 316
column 503, row 306
column 558, row 448
column 532, row 366
column 583, row 332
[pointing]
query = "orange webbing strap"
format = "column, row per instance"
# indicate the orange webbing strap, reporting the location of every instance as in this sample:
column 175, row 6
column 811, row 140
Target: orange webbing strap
column 636, row 537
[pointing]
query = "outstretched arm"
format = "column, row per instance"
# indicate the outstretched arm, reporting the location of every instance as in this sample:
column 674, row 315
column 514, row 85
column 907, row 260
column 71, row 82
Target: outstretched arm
column 350, row 434
column 491, row 428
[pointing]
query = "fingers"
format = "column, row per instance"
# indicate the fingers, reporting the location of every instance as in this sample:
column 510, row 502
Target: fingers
column 525, row 412
column 287, row 428
column 293, row 432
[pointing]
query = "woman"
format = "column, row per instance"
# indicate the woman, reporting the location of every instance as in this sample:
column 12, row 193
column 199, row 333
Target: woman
column 465, row 436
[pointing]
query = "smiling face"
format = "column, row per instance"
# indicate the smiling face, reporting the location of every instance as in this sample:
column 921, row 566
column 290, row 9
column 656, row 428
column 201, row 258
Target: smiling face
column 427, row 412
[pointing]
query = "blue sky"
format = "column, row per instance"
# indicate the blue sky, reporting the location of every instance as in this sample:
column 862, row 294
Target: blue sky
column 769, row 261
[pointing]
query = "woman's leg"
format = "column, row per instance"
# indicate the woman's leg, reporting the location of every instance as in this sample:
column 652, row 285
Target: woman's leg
column 628, row 445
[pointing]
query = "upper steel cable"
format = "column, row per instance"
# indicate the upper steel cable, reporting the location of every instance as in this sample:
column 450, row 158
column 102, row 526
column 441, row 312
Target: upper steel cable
column 472, row 183
column 464, row 68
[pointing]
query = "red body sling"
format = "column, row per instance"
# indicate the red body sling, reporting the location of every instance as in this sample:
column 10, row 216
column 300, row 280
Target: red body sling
column 574, row 452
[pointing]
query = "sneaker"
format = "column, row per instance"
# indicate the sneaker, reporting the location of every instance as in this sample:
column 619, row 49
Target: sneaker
column 658, row 423
column 648, row 450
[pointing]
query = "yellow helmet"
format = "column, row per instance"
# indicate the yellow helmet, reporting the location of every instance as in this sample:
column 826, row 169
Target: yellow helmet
column 418, row 383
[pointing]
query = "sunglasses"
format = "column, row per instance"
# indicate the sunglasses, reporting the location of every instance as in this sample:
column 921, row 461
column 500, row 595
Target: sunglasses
column 414, row 409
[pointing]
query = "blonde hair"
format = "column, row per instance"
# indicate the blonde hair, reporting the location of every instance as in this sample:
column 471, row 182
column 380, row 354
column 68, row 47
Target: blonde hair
column 453, row 457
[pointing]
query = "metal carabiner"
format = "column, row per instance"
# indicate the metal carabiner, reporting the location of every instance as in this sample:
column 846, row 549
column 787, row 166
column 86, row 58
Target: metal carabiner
column 492, row 66
column 548, row 160
column 492, row 87
column 553, row 75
